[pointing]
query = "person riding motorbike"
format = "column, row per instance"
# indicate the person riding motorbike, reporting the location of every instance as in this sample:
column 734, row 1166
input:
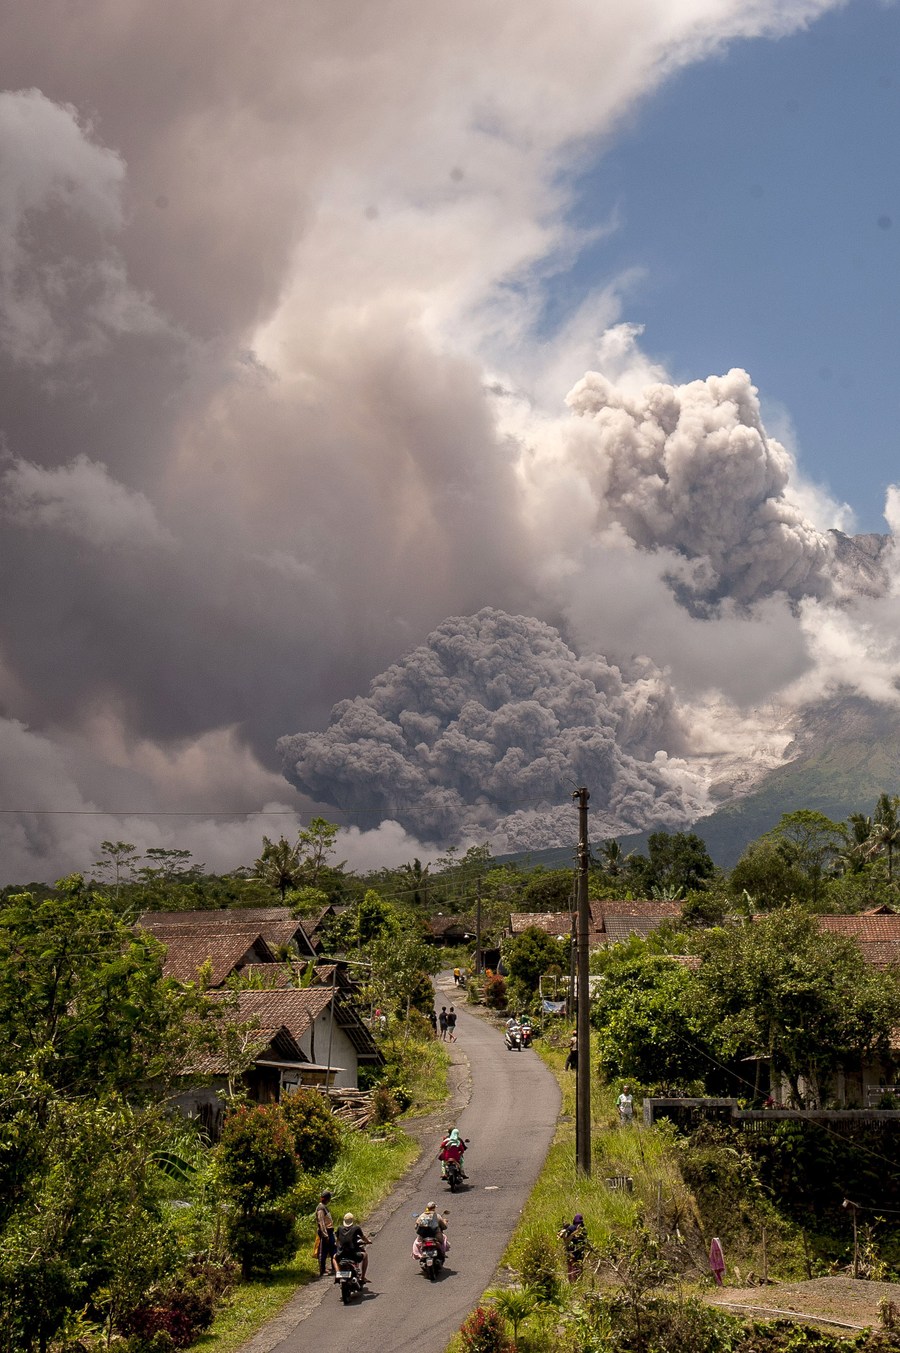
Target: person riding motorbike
column 351, row 1241
column 430, row 1224
column 452, row 1148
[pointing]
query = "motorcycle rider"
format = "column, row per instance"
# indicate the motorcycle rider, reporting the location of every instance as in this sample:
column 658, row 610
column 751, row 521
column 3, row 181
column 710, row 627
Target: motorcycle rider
column 431, row 1223
column 351, row 1241
column 452, row 1148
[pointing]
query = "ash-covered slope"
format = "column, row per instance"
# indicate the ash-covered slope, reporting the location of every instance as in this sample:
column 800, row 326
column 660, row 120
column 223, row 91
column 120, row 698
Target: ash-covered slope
column 846, row 752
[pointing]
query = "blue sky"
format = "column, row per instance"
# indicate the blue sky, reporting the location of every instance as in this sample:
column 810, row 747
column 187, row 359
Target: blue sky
column 759, row 193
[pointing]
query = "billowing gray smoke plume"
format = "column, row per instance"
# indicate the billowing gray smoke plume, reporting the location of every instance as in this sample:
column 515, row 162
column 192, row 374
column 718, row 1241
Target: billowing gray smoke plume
column 691, row 468
column 493, row 715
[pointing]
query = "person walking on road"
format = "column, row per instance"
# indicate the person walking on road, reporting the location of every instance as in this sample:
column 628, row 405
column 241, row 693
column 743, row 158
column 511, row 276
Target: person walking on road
column 442, row 1021
column 451, row 1024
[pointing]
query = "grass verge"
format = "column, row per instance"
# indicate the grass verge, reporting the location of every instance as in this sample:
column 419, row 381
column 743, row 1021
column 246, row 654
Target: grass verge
column 363, row 1176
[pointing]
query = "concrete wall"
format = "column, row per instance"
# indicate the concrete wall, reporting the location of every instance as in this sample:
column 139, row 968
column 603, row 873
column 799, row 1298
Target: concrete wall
column 343, row 1054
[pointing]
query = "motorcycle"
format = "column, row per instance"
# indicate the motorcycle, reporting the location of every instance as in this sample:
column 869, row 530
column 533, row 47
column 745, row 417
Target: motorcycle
column 349, row 1275
column 431, row 1257
column 527, row 1035
column 455, row 1175
column 513, row 1038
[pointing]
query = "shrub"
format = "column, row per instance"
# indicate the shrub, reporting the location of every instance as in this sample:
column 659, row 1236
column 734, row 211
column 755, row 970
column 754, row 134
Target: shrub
column 317, row 1136
column 495, row 992
column 259, row 1167
column 384, row 1106
column 258, row 1160
column 482, row 1331
column 537, row 1268
column 263, row 1239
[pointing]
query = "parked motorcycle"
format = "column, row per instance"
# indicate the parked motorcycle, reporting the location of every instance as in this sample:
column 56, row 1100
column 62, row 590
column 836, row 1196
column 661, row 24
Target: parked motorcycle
column 513, row 1038
column 349, row 1275
column 431, row 1257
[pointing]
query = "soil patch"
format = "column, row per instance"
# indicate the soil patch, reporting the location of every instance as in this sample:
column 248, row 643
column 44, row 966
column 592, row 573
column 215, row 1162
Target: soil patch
column 849, row 1303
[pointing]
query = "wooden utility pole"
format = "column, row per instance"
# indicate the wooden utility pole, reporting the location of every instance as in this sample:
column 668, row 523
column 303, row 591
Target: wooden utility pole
column 478, row 959
column 583, row 1006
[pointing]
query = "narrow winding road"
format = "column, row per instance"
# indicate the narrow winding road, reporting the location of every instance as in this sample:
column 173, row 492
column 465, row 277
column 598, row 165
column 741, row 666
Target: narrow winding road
column 510, row 1119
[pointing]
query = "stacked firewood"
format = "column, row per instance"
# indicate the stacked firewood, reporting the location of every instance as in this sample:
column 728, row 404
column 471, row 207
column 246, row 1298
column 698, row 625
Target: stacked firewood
column 353, row 1107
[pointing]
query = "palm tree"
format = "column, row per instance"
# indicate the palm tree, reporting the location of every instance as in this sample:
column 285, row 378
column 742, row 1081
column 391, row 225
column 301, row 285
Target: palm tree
column 418, row 875
column 279, row 865
column 612, row 857
column 885, row 834
column 857, row 835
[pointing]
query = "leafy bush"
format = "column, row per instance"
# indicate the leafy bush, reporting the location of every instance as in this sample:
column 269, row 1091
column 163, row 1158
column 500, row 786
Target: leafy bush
column 259, row 1166
column 538, row 1270
column 317, row 1135
column 258, row 1160
column 181, row 1311
column 264, row 1239
column 483, row 1331
column 384, row 1106
column 495, row 992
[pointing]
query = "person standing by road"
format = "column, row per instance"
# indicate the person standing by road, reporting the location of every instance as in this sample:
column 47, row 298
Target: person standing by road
column 432, row 1019
column 325, row 1230
column 442, row 1021
column 625, row 1105
column 451, row 1024
column 572, row 1058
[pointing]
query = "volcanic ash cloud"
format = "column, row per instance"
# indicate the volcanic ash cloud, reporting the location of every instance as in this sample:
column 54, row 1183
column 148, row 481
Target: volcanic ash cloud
column 494, row 715
column 691, row 469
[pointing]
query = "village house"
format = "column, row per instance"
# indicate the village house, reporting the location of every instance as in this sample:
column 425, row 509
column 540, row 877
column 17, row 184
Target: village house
column 448, row 931
column 610, row 920
column 296, row 1015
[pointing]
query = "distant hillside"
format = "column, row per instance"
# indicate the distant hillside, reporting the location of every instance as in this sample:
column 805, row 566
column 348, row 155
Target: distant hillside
column 846, row 753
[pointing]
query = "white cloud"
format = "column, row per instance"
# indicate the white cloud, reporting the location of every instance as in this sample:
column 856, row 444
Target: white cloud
column 83, row 500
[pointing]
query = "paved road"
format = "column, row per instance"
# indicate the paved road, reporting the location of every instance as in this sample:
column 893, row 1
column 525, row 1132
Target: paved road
column 510, row 1120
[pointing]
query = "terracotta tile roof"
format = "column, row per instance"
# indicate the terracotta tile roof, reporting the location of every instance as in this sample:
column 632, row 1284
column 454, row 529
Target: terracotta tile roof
column 186, row 954
column 242, row 916
column 276, row 924
column 269, row 1043
column 867, row 926
column 646, row 907
column 284, row 1006
column 439, row 925
column 551, row 922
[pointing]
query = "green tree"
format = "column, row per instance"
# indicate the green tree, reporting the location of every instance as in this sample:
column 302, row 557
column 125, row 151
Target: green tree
column 766, row 874
column 808, row 1000
column 82, row 997
column 885, row 834
column 549, row 890
column 676, row 862
column 259, row 1167
column 316, row 843
column 533, row 953
column 118, row 862
column 650, row 1028
column 279, row 864
column 808, row 842
column 399, row 959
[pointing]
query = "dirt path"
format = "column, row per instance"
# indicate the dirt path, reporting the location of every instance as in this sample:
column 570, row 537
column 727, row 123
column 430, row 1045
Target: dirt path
column 838, row 1302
